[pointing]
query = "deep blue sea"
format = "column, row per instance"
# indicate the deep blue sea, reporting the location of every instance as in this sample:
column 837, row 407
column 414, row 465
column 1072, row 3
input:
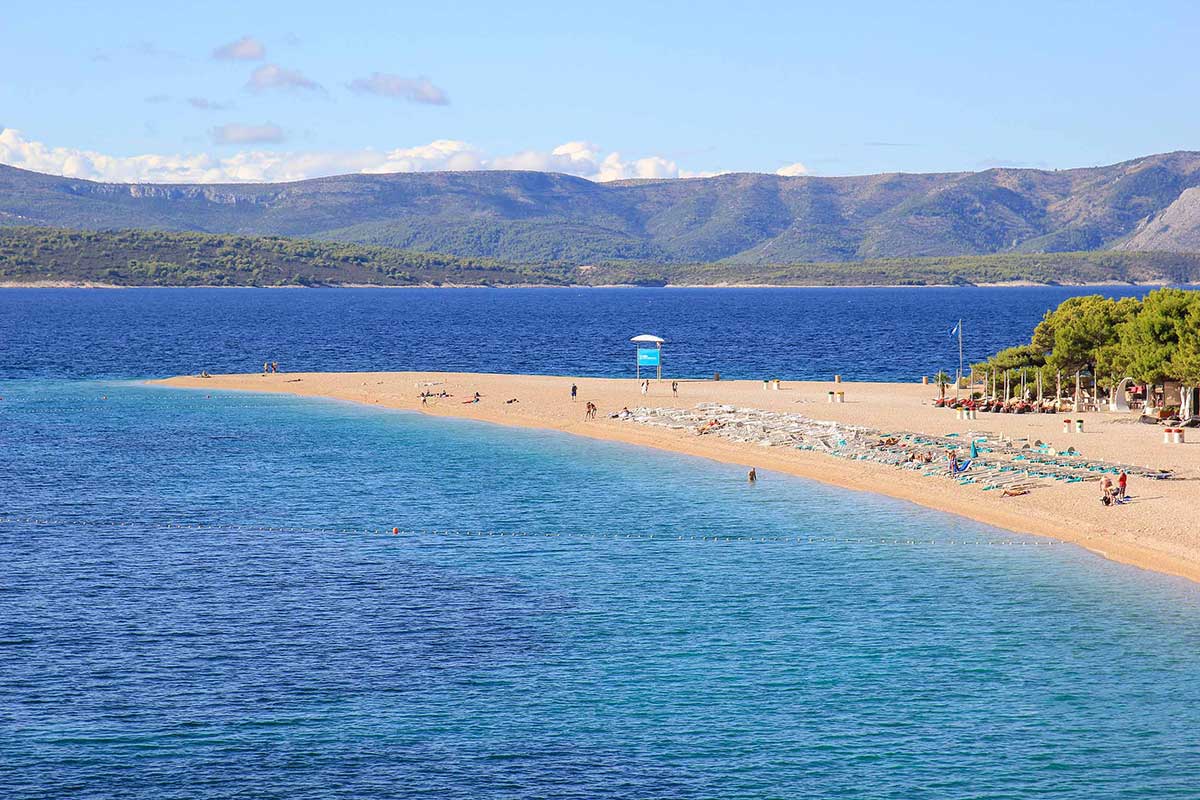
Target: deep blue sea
column 882, row 334
column 201, row 597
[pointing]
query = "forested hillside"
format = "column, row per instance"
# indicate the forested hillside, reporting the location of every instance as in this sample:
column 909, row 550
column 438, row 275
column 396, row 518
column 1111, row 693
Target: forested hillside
column 535, row 217
column 158, row 258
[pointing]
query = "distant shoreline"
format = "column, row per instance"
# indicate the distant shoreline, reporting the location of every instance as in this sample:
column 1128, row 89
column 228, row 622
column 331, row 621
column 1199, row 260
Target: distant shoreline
column 999, row 285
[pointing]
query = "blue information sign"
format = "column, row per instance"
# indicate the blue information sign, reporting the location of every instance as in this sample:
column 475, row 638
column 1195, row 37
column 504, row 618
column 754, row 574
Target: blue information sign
column 648, row 356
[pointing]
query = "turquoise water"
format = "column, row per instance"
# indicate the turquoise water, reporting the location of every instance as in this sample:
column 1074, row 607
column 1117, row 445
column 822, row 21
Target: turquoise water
column 143, row 660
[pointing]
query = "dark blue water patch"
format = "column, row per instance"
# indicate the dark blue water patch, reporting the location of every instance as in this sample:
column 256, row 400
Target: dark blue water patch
column 880, row 334
column 147, row 661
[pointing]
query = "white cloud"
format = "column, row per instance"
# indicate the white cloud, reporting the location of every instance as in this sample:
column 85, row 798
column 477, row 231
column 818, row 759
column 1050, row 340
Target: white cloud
column 204, row 104
column 273, row 76
column 20, row 152
column 233, row 133
column 589, row 161
column 791, row 170
column 246, row 48
column 580, row 158
column 414, row 90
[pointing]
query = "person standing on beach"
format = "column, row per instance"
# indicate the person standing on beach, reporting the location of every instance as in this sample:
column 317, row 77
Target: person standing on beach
column 675, row 388
column 1122, row 482
column 574, row 391
column 274, row 366
column 265, row 367
column 645, row 387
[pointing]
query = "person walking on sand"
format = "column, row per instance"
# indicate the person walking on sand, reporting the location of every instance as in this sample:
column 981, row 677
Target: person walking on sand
column 574, row 391
column 675, row 388
column 645, row 387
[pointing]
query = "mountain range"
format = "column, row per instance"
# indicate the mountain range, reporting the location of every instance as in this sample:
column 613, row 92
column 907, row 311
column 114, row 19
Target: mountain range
column 1147, row 204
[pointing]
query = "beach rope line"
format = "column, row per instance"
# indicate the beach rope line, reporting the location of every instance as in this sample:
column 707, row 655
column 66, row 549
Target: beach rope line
column 444, row 533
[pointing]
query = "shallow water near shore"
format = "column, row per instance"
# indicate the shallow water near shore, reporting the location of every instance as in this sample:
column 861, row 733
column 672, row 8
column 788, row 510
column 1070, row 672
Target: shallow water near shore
column 143, row 659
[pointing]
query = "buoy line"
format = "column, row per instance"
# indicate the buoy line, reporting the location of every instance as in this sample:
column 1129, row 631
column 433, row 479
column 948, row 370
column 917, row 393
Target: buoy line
column 50, row 522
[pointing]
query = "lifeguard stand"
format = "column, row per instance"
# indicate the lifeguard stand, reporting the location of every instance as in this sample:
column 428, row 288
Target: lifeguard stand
column 648, row 356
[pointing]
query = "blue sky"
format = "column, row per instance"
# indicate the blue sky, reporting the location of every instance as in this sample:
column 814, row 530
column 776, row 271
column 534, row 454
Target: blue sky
column 134, row 90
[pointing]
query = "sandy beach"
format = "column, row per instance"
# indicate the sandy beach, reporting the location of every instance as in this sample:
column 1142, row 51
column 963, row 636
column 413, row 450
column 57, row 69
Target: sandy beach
column 1156, row 531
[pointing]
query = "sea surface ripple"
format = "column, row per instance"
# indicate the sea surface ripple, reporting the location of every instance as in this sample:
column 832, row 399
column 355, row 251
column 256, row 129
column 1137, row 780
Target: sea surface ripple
column 862, row 334
column 287, row 645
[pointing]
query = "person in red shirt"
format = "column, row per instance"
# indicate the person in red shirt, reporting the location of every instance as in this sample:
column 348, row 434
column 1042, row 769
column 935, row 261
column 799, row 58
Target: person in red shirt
column 1122, row 480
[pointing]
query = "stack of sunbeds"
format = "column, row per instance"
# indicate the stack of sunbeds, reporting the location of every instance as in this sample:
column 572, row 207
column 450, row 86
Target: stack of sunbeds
column 996, row 463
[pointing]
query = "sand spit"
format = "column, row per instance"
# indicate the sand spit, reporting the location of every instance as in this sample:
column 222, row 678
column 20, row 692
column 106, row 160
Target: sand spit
column 1158, row 530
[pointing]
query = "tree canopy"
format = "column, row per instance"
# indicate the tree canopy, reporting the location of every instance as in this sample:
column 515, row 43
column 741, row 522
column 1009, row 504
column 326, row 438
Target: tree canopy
column 1185, row 362
column 1148, row 342
column 1153, row 339
column 1074, row 336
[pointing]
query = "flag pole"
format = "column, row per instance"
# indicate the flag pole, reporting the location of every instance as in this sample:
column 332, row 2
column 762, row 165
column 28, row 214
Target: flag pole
column 958, row 380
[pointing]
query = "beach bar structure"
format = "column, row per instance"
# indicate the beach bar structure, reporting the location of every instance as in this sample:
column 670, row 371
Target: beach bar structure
column 649, row 353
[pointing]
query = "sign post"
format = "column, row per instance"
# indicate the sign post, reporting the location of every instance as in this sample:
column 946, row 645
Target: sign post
column 649, row 357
